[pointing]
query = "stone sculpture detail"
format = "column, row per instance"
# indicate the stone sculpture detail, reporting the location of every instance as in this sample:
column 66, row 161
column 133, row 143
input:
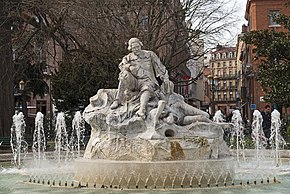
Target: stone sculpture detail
column 145, row 120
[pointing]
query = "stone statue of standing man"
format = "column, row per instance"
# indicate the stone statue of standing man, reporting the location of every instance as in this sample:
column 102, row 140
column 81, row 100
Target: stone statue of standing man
column 139, row 70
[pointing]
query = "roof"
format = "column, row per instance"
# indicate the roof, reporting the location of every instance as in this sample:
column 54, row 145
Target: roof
column 225, row 49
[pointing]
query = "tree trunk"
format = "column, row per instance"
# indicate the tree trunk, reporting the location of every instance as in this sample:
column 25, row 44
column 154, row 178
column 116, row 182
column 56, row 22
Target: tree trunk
column 6, row 72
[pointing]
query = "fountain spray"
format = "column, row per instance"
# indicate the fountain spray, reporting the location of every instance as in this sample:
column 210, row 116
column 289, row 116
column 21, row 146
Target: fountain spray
column 77, row 135
column 61, row 137
column 276, row 138
column 258, row 135
column 238, row 132
column 18, row 144
column 39, row 141
column 218, row 117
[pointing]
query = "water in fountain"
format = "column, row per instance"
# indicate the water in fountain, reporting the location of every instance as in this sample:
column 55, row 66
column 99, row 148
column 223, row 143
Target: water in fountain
column 61, row 138
column 218, row 117
column 198, row 174
column 39, row 141
column 276, row 138
column 77, row 135
column 238, row 133
column 185, row 149
column 258, row 135
column 18, row 144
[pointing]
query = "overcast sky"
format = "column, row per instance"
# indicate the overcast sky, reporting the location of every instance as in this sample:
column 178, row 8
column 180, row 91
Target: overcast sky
column 241, row 8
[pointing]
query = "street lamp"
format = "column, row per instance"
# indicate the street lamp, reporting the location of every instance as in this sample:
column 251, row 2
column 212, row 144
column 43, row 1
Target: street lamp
column 21, row 85
column 212, row 81
column 23, row 98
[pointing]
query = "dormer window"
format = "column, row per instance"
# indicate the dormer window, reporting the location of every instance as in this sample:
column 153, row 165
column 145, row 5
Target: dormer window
column 218, row 56
column 224, row 55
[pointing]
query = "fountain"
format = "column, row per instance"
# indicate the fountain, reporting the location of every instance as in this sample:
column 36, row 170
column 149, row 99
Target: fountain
column 147, row 136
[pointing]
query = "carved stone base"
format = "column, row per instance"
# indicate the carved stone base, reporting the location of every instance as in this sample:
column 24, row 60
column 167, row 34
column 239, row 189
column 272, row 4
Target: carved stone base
column 193, row 148
column 162, row 174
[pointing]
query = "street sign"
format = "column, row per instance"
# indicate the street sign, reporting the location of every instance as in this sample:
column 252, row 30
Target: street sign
column 253, row 106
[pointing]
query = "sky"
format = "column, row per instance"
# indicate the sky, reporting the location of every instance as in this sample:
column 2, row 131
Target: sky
column 241, row 4
column 241, row 8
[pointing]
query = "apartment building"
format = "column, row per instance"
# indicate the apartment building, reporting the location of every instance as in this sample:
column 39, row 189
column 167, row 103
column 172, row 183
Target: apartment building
column 224, row 80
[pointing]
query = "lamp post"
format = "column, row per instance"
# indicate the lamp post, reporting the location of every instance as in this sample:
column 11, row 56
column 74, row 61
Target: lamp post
column 50, row 105
column 212, row 95
column 212, row 79
column 23, row 99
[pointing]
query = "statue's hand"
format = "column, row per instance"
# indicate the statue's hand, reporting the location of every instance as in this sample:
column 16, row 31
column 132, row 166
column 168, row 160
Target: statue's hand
column 127, row 67
column 167, row 86
column 164, row 78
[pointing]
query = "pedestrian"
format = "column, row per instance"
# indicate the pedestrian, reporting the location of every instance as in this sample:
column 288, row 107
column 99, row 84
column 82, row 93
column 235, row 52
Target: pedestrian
column 266, row 114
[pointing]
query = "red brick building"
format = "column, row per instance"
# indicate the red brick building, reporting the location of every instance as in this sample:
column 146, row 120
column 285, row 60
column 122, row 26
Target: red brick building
column 259, row 14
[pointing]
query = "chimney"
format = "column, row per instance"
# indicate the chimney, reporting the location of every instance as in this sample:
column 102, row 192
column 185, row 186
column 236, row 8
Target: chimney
column 244, row 28
column 219, row 47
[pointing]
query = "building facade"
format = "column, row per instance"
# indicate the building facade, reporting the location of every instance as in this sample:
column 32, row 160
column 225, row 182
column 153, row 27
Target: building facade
column 224, row 80
column 195, row 89
column 259, row 15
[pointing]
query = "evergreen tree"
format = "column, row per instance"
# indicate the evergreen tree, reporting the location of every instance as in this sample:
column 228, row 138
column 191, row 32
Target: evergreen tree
column 272, row 50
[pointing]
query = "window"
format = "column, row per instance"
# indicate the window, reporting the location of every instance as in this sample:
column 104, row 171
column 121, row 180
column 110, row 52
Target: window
column 219, row 85
column 212, row 56
column 143, row 21
column 224, row 64
column 230, row 55
column 224, row 55
column 231, row 96
column 272, row 15
column 218, row 56
column 41, row 106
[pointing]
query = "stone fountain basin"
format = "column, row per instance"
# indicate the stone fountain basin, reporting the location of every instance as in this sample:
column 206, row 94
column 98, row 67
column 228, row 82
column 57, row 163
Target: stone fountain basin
column 158, row 174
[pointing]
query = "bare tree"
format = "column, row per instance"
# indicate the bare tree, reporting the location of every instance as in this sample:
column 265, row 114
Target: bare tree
column 176, row 30
column 160, row 24
column 6, row 72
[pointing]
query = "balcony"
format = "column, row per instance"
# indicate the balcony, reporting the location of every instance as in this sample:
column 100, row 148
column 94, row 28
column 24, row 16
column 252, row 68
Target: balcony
column 225, row 88
column 228, row 76
column 225, row 100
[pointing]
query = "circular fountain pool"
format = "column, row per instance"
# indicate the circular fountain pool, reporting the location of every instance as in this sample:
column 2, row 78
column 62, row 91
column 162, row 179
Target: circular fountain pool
column 249, row 178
